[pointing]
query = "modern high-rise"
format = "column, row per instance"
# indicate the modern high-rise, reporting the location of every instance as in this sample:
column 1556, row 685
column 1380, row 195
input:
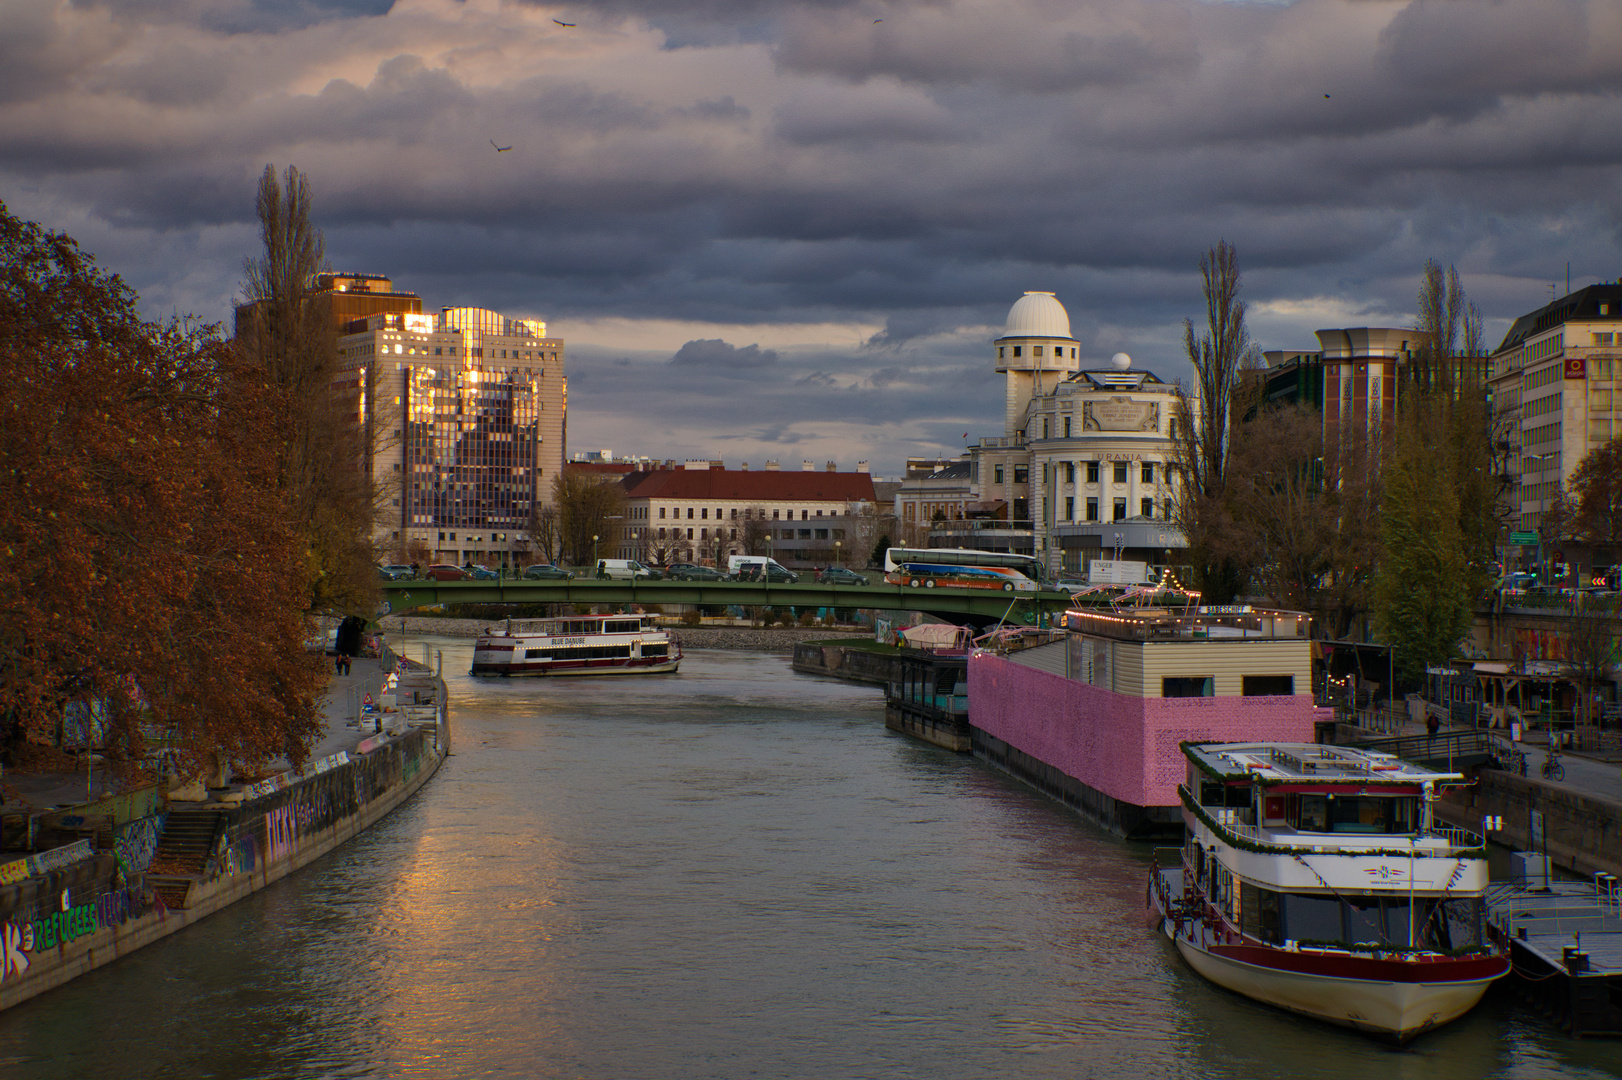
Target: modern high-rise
column 466, row 416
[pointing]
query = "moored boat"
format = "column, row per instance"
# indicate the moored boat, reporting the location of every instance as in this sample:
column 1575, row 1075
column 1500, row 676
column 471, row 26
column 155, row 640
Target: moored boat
column 578, row 645
column 1314, row 878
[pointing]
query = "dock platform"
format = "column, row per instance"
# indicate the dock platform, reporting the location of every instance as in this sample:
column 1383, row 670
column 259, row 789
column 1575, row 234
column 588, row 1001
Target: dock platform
column 1565, row 944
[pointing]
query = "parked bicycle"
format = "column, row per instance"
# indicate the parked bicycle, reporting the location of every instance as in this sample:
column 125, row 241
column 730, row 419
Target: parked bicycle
column 1552, row 769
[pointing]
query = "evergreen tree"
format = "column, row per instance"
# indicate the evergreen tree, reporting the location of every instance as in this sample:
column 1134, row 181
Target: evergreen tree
column 1423, row 587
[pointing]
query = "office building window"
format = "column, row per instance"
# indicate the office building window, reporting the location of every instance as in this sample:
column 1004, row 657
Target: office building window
column 705, row 513
column 1036, row 351
column 1148, row 472
column 774, row 515
column 1067, row 427
column 1148, row 508
column 1069, row 508
column 689, row 513
column 1016, row 352
column 1120, row 510
column 1120, row 472
column 1022, row 474
column 996, row 474
column 1070, row 472
column 1092, row 472
column 1092, row 509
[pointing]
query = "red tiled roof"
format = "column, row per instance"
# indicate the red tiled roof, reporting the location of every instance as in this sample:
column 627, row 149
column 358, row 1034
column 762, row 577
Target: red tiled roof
column 765, row 486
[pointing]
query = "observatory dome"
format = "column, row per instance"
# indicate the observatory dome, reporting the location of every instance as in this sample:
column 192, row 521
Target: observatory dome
column 1037, row 314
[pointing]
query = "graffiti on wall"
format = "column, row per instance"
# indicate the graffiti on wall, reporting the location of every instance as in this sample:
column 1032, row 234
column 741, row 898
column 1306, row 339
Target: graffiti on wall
column 20, row 938
column 136, row 843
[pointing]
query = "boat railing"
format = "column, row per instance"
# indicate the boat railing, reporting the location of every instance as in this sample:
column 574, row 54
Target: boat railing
column 1453, row 840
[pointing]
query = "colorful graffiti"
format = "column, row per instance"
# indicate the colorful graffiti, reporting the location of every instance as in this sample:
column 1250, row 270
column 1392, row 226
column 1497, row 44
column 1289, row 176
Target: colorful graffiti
column 136, row 843
column 74, row 921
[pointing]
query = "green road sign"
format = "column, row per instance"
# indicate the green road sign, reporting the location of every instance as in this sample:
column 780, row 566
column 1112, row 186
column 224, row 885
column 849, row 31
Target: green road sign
column 1524, row 539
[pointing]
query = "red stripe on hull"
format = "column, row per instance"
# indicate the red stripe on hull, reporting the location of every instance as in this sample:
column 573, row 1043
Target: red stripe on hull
column 1423, row 969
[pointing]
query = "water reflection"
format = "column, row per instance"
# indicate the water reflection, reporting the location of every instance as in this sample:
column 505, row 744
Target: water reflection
column 729, row 872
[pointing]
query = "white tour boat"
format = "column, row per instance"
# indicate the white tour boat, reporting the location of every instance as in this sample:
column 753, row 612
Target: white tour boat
column 578, row 645
column 1313, row 878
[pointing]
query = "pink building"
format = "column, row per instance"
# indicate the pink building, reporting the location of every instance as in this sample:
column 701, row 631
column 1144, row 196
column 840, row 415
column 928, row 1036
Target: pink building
column 1097, row 720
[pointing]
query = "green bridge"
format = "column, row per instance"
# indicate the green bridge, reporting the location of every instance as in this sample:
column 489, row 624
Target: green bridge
column 959, row 605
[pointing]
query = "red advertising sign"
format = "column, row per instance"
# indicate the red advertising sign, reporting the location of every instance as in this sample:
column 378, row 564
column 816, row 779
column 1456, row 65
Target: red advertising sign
column 1576, row 367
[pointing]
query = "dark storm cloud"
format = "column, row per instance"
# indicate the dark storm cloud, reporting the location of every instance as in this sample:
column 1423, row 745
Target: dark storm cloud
column 716, row 355
column 735, row 169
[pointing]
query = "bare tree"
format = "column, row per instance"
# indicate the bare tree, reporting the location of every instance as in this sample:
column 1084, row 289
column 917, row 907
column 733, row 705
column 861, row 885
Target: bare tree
column 543, row 530
column 755, row 531
column 1203, row 423
column 587, row 507
column 325, row 455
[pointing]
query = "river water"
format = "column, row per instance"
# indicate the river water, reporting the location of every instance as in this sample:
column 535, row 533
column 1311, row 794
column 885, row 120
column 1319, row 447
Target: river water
column 731, row 872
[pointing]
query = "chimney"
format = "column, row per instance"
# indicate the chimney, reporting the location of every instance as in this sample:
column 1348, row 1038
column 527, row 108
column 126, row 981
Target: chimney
column 771, row 466
column 806, row 466
column 833, row 467
column 861, row 466
column 746, row 466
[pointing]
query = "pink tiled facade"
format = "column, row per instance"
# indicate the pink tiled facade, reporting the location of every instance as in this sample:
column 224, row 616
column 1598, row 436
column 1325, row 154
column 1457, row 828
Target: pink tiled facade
column 1125, row 747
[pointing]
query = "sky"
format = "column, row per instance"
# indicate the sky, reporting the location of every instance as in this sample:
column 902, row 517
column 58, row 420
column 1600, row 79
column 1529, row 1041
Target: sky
column 791, row 229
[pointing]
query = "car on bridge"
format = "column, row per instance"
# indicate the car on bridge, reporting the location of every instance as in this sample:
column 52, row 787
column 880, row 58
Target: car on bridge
column 483, row 573
column 446, row 572
column 841, row 575
column 547, row 572
column 693, row 572
column 396, row 572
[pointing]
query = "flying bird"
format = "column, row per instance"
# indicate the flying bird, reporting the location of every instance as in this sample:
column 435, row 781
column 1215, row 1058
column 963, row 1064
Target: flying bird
column 500, row 149
column 877, row 21
column 1326, row 95
column 560, row 22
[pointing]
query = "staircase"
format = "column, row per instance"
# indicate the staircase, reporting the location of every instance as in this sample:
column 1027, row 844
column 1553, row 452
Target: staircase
column 189, row 836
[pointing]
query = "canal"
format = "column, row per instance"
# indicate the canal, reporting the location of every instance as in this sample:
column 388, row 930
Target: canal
column 730, row 872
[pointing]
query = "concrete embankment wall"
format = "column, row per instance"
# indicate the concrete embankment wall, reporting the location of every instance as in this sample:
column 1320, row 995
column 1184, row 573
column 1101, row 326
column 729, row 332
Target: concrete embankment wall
column 1584, row 832
column 61, row 924
column 852, row 665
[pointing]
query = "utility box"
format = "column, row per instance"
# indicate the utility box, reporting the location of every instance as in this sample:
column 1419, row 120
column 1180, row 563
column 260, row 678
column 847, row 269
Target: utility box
column 1529, row 869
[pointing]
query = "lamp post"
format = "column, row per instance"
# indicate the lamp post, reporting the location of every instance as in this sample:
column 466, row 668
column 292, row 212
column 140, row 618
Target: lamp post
column 594, row 559
column 838, row 559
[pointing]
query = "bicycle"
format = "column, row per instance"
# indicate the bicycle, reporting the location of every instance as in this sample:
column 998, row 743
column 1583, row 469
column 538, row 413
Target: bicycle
column 1552, row 769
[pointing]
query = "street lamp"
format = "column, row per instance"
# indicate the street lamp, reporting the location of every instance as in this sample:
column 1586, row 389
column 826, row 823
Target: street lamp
column 594, row 559
column 838, row 561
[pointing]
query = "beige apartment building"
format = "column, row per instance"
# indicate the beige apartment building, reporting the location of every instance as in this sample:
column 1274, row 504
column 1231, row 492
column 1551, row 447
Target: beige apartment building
column 1557, row 393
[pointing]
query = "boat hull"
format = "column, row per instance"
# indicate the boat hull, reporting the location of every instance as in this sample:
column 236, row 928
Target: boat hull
column 1396, row 1009
column 662, row 667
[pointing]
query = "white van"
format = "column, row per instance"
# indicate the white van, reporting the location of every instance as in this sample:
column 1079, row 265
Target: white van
column 623, row 568
column 753, row 566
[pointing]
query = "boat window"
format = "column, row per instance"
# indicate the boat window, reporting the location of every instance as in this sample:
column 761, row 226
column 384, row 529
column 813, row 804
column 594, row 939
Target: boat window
column 1259, row 912
column 1267, row 685
column 1311, row 918
column 537, row 654
column 621, row 626
column 1216, row 793
column 1453, row 924
column 1363, row 922
column 1354, row 814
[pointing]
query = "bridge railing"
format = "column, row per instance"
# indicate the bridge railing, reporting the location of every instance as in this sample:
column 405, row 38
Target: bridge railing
column 1464, row 747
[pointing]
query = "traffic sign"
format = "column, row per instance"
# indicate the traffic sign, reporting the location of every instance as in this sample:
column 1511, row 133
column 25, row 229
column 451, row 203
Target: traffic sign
column 1524, row 539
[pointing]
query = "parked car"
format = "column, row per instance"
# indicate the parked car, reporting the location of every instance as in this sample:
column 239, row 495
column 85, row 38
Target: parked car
column 483, row 573
column 446, row 572
column 691, row 572
column 626, row 568
column 396, row 572
column 840, row 575
column 547, row 572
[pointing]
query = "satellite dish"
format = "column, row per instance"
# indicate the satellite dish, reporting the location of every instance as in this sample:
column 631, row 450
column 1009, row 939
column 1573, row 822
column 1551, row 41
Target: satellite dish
column 1120, row 361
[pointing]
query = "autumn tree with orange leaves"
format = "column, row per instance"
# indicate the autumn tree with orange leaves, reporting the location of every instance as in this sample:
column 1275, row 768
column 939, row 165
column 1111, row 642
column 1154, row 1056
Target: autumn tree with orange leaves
column 150, row 573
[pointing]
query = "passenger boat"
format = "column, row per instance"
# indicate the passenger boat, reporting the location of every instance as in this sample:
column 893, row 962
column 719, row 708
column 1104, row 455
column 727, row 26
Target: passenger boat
column 1315, row 879
column 578, row 645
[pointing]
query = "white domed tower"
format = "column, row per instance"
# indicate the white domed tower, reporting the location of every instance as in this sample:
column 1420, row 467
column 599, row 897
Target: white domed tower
column 1036, row 352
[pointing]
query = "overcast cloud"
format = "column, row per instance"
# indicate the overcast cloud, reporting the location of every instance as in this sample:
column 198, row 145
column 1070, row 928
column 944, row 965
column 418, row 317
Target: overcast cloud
column 776, row 227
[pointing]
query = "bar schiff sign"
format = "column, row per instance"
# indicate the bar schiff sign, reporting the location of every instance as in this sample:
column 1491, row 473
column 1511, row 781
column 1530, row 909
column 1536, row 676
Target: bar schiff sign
column 1120, row 414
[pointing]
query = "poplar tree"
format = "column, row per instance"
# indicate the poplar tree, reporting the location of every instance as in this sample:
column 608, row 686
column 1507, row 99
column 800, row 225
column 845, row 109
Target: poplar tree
column 285, row 329
column 1203, row 435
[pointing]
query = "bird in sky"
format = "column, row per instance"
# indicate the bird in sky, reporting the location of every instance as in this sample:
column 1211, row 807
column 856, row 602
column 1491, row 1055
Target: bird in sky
column 877, row 21
column 560, row 22
column 500, row 149
column 1326, row 95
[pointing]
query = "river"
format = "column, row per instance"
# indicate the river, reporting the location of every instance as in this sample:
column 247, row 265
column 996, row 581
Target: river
column 731, row 872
